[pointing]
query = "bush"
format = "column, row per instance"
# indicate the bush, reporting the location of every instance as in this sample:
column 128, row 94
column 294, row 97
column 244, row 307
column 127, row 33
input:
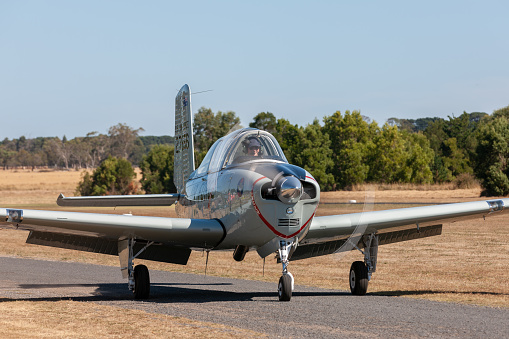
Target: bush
column 466, row 181
column 157, row 170
column 85, row 185
column 113, row 176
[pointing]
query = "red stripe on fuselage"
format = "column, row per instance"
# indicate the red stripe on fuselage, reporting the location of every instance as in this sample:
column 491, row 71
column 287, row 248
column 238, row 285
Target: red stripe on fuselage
column 307, row 176
column 276, row 232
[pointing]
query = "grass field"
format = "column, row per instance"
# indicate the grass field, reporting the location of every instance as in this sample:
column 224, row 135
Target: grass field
column 466, row 264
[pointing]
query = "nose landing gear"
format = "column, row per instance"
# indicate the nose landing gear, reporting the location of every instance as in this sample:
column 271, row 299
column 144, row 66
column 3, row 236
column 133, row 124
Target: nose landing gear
column 285, row 286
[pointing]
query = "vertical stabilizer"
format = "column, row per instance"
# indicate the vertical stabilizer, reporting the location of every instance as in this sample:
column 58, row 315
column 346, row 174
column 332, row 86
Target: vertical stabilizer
column 184, row 145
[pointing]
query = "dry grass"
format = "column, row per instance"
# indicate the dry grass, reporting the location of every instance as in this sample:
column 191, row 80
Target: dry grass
column 465, row 180
column 409, row 195
column 466, row 264
column 26, row 187
column 71, row 319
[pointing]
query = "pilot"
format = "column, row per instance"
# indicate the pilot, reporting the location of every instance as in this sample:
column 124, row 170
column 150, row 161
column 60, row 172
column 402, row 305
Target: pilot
column 253, row 147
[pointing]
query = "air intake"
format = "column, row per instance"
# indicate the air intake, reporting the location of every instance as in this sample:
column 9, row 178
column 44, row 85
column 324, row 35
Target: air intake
column 288, row 222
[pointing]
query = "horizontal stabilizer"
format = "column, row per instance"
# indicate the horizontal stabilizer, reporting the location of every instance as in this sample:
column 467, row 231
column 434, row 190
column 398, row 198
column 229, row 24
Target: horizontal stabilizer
column 119, row 200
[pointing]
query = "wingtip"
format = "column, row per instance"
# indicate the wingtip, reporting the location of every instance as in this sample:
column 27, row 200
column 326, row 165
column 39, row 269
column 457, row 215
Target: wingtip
column 60, row 198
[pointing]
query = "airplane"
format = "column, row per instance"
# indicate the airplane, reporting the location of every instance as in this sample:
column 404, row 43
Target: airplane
column 244, row 196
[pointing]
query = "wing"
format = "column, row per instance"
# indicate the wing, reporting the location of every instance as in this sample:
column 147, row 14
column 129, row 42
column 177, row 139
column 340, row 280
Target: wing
column 101, row 233
column 327, row 234
column 119, row 200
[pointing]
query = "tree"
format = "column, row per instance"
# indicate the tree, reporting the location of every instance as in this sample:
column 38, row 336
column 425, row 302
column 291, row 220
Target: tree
column 85, row 186
column 314, row 154
column 209, row 127
column 63, row 149
column 412, row 125
column 113, row 176
column 419, row 158
column 454, row 143
column 157, row 170
column 492, row 163
column 80, row 152
column 387, row 156
column 150, row 140
column 6, row 156
column 351, row 139
column 265, row 121
column 122, row 138
column 501, row 112
column 97, row 146
column 287, row 136
column 51, row 152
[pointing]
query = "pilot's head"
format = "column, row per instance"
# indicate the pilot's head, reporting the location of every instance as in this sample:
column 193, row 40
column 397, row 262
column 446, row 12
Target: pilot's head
column 253, row 147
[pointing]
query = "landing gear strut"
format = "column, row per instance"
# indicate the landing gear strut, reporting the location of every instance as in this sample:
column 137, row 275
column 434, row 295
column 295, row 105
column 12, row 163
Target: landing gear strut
column 285, row 286
column 360, row 272
column 138, row 278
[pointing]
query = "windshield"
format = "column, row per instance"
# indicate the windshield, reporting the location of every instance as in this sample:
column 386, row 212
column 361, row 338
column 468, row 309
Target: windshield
column 243, row 145
column 254, row 145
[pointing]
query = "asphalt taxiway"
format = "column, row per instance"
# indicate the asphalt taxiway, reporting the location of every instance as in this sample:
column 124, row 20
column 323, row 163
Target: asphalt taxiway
column 253, row 305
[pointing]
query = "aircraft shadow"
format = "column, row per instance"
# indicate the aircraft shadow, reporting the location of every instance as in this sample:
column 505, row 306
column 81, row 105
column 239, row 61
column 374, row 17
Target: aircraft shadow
column 191, row 293
column 159, row 293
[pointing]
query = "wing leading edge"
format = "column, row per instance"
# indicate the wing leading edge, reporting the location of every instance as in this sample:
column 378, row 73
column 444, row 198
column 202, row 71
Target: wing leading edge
column 328, row 233
column 190, row 233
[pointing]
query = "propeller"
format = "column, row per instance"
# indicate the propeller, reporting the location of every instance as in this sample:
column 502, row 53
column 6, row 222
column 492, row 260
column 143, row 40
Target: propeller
column 360, row 226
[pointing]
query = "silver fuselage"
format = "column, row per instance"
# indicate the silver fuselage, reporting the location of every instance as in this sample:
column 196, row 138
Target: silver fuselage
column 237, row 197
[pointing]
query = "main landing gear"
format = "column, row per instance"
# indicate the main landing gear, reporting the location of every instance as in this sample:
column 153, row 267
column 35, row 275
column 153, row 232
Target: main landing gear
column 285, row 286
column 360, row 272
column 138, row 277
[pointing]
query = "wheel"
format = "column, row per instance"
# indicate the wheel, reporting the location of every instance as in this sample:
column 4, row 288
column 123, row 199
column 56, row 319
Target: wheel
column 284, row 288
column 141, row 282
column 358, row 278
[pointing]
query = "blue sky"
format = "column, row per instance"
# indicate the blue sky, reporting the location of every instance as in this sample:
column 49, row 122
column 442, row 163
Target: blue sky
column 70, row 67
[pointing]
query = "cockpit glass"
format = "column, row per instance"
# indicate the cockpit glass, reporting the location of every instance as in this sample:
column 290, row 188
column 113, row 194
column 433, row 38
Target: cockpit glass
column 204, row 166
column 255, row 145
column 238, row 147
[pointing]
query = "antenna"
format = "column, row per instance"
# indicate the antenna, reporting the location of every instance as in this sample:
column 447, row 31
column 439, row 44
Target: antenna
column 207, row 262
column 209, row 90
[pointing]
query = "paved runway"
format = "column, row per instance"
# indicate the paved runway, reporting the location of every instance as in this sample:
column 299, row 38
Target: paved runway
column 312, row 312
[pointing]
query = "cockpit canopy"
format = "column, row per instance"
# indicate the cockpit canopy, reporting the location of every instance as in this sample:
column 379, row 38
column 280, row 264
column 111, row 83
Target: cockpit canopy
column 233, row 149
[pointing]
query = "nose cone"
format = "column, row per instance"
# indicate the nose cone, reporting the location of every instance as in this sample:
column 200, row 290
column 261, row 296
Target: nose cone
column 285, row 203
column 289, row 190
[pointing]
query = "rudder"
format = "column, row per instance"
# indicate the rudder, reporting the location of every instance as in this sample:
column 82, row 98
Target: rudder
column 184, row 145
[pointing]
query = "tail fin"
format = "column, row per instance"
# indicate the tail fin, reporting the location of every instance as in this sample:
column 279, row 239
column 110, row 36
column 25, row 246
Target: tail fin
column 184, row 145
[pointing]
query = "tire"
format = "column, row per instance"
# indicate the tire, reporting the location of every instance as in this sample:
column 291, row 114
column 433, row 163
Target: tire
column 141, row 282
column 285, row 288
column 358, row 278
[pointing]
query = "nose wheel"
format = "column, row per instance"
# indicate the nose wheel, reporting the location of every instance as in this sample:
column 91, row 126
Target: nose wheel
column 285, row 286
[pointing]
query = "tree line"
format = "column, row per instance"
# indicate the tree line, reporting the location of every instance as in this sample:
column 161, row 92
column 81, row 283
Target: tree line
column 341, row 151
column 348, row 149
column 90, row 151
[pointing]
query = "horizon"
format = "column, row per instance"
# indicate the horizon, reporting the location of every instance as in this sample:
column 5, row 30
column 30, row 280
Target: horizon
column 172, row 135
